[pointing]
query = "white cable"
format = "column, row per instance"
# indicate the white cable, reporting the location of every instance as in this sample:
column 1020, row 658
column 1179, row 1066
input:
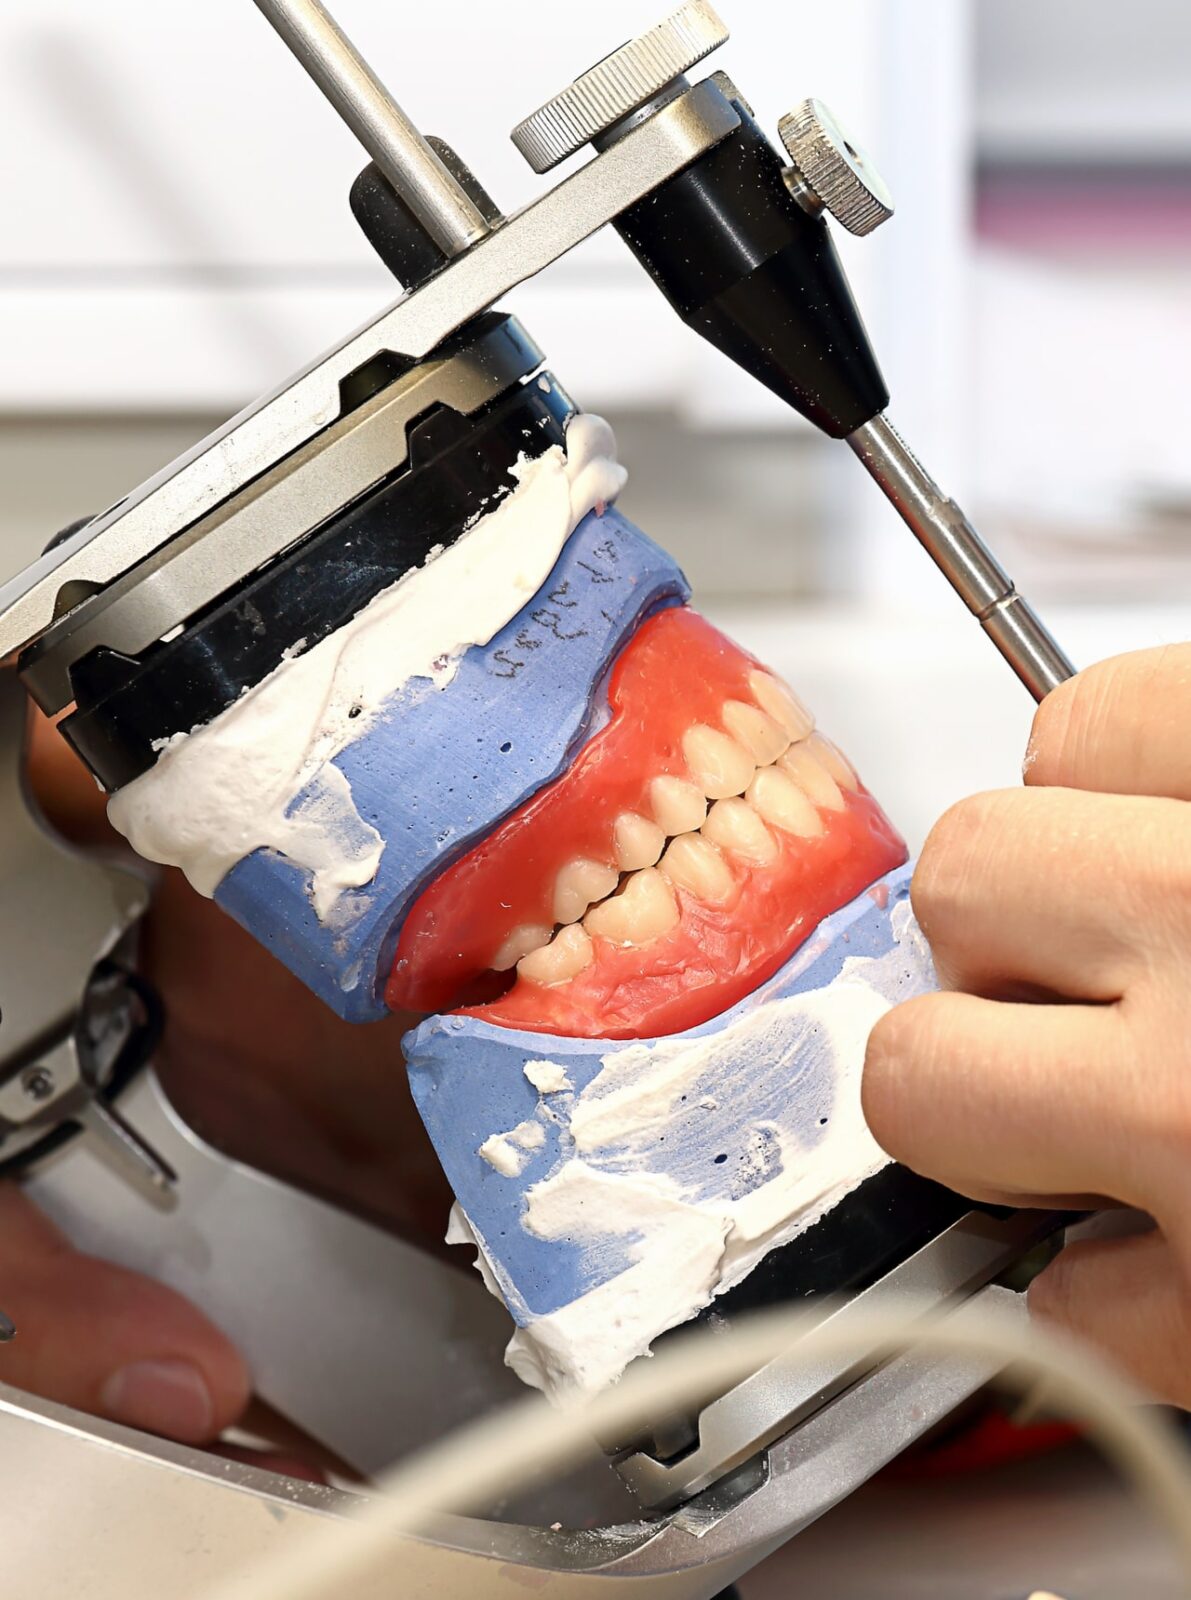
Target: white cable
column 497, row 1455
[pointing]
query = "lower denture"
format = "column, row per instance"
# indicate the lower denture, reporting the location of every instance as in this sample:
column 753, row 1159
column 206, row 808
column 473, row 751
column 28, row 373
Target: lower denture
column 711, row 901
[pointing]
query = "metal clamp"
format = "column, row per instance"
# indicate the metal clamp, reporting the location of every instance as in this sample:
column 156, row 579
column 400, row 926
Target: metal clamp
column 70, row 1008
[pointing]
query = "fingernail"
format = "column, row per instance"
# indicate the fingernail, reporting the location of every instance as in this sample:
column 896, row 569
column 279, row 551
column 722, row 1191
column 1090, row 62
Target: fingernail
column 168, row 1397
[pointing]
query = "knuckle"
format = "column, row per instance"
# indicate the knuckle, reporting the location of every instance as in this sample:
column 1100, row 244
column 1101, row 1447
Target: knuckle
column 956, row 850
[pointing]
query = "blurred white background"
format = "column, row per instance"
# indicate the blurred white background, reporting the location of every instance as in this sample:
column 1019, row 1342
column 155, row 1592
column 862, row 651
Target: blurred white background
column 177, row 239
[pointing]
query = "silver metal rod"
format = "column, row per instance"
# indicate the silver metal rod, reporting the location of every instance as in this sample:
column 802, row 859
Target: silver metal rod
column 963, row 558
column 390, row 138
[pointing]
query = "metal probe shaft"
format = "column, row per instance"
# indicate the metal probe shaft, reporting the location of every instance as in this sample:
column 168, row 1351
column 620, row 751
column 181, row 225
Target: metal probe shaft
column 963, row 558
column 390, row 138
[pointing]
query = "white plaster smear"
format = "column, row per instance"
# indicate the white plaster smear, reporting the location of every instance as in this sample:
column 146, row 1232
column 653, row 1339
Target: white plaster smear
column 547, row 1077
column 687, row 1238
column 219, row 792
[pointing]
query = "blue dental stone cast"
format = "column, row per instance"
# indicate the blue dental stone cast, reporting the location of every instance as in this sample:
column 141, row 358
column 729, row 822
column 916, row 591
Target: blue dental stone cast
column 442, row 766
column 469, row 1082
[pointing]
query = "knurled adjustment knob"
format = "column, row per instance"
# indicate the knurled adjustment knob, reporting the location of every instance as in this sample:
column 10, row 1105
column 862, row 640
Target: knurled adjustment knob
column 618, row 85
column 839, row 175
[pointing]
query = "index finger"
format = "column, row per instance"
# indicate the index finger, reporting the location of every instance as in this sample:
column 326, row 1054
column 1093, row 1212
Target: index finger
column 1120, row 728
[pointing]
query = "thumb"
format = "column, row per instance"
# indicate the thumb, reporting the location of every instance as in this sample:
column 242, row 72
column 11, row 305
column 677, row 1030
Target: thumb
column 104, row 1340
column 1127, row 1298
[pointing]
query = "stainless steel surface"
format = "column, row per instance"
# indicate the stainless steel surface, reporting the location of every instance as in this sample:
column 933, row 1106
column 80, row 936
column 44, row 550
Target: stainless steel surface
column 962, row 556
column 297, row 496
column 617, row 85
column 198, row 1520
column 837, row 172
column 412, row 167
column 63, row 911
column 733, row 1428
column 279, row 423
column 401, row 1348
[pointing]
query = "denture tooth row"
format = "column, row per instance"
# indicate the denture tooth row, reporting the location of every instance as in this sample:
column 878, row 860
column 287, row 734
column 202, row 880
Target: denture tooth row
column 765, row 771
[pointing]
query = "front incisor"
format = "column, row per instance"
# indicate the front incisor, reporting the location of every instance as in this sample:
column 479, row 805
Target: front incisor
column 693, row 863
column 782, row 704
column 761, row 736
column 736, row 828
column 809, row 773
column 644, row 910
column 784, row 805
column 560, row 961
column 840, row 768
column 721, row 767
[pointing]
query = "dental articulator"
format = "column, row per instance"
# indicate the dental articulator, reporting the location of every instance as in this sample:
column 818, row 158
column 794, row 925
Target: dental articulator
column 383, row 669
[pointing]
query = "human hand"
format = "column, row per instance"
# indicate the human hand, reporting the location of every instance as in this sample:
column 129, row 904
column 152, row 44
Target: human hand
column 261, row 1069
column 1055, row 1066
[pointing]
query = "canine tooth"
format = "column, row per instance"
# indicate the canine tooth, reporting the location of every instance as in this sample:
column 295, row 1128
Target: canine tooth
column 644, row 910
column 782, row 704
column 809, row 773
column 693, row 863
column 719, row 765
column 560, row 961
column 783, row 804
column 523, row 940
column 639, row 842
column 756, row 730
column 580, row 884
column 678, row 806
column 736, row 828
column 840, row 768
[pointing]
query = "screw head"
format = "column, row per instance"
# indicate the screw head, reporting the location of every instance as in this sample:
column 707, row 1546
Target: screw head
column 835, row 169
column 38, row 1083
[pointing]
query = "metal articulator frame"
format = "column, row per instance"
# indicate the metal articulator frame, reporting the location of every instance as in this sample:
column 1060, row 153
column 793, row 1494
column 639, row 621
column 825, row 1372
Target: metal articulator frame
column 148, row 1517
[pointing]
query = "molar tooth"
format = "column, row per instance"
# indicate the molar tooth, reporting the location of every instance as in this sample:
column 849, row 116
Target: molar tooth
column 521, row 942
column 639, row 842
column 693, row 863
column 580, row 884
column 736, row 828
column 783, row 804
column 809, row 773
column 678, row 806
column 644, row 910
column 840, row 768
column 560, row 961
column 782, row 704
column 756, row 730
column 719, row 765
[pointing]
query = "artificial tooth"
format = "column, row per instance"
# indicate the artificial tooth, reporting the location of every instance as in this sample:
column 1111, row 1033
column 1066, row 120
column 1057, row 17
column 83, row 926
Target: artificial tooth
column 783, row 804
column 736, row 828
column 719, row 765
column 782, row 704
column 644, row 910
column 580, row 884
column 812, row 777
column 835, row 761
column 678, row 806
column 694, row 864
column 560, row 961
column 519, row 943
column 761, row 736
column 639, row 842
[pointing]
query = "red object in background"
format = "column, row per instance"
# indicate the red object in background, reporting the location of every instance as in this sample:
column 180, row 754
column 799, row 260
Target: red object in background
column 990, row 1440
column 677, row 671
